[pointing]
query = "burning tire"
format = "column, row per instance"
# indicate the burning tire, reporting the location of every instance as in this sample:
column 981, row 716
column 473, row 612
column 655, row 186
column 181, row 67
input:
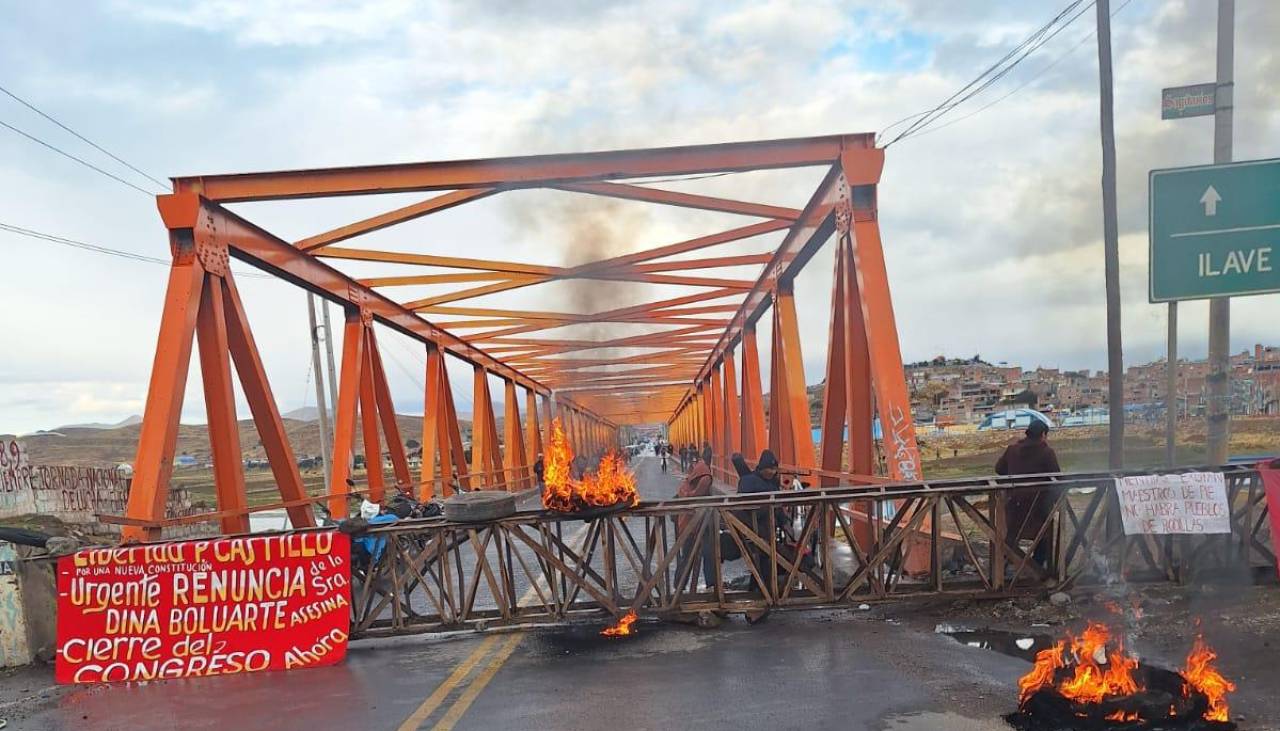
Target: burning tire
column 1091, row 683
column 475, row 507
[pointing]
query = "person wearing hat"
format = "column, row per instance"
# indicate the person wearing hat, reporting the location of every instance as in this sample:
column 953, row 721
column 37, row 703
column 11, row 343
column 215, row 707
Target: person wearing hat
column 698, row 484
column 764, row 478
column 1027, row 511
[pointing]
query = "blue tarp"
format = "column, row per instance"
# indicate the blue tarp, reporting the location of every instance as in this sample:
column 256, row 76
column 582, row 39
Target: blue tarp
column 876, row 432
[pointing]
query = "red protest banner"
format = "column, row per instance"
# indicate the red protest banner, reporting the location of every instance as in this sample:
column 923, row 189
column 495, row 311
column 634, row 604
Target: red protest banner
column 212, row 607
column 1270, row 472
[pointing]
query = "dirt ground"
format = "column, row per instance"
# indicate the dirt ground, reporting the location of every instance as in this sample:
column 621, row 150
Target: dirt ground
column 1084, row 449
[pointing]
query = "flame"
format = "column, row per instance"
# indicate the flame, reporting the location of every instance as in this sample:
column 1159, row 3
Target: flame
column 1046, row 666
column 1204, row 677
column 1091, row 681
column 612, row 483
column 1092, row 668
column 622, row 628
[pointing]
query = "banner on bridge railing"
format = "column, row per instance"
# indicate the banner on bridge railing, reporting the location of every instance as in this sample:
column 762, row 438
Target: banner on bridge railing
column 1270, row 471
column 1191, row 502
column 212, row 607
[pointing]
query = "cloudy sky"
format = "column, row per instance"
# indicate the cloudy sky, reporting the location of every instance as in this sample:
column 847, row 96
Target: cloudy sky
column 991, row 224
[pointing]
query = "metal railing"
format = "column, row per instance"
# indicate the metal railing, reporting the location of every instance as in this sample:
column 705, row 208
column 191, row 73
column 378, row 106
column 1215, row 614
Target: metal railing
column 823, row 547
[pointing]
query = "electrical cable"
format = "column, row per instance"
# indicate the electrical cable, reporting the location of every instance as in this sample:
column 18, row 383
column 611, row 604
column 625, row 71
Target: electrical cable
column 1029, row 80
column 999, row 69
column 68, row 155
column 81, row 137
column 51, row 238
column 1036, row 41
column 683, row 178
column 457, row 395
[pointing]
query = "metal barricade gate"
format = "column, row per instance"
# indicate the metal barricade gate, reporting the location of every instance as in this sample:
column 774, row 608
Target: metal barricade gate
column 845, row 545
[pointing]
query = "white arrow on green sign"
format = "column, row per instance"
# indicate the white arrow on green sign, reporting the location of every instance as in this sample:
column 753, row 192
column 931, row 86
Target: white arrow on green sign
column 1215, row 231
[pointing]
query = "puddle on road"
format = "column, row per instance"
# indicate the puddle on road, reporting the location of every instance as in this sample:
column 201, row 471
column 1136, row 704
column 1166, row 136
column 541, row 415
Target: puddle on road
column 1022, row 645
column 926, row 721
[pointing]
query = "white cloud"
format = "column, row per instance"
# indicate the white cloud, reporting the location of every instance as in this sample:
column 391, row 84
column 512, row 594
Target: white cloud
column 991, row 226
column 278, row 22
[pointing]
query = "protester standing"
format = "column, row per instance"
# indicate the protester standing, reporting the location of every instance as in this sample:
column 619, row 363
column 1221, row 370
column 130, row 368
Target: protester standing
column 1027, row 510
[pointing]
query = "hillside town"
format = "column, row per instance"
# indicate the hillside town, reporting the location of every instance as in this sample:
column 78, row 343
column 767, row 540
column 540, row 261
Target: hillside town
column 950, row 391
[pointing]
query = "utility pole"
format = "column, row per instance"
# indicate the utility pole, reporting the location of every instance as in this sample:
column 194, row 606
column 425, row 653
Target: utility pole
column 321, row 410
column 1111, row 243
column 1171, row 390
column 328, row 346
column 1218, row 383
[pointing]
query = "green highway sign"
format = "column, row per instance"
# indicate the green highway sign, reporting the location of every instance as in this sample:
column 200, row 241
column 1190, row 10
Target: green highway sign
column 1196, row 100
column 1215, row 231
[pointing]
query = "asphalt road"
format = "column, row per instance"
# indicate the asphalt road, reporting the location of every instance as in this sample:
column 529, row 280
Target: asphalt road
column 846, row 669
column 799, row 670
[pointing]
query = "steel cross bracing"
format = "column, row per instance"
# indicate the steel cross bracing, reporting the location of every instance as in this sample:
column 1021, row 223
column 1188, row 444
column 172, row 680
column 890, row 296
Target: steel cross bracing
column 696, row 367
column 536, row 567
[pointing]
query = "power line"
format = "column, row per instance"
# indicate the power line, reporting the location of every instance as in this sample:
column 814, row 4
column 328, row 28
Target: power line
column 51, row 238
column 81, row 137
column 1029, row 80
column 951, row 101
column 68, row 155
column 999, row 69
column 907, row 118
column 417, row 378
column 1028, row 46
column 684, row 178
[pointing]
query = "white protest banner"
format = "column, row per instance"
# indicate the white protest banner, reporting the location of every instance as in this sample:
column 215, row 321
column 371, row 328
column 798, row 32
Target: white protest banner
column 1192, row 502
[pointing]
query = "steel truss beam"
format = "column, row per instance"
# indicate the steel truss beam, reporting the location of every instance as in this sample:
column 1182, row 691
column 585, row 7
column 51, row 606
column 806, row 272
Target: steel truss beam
column 530, row 171
column 722, row 402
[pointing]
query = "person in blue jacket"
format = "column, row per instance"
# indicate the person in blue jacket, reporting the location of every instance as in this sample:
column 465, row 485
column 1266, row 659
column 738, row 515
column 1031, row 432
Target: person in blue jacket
column 374, row 545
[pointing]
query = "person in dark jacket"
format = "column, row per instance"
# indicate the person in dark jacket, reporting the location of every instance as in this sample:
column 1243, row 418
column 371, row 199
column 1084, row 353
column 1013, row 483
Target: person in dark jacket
column 706, row 453
column 1027, row 511
column 764, row 478
column 538, row 468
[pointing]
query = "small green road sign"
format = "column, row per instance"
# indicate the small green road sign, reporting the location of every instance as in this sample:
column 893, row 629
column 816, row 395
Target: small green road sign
column 1215, row 231
column 1188, row 101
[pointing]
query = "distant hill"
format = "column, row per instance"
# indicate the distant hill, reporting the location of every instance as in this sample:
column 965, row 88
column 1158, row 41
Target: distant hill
column 306, row 413
column 127, row 421
column 92, row 445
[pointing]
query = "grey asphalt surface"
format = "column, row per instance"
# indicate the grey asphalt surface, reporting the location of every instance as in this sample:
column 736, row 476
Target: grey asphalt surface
column 799, row 670
column 846, row 669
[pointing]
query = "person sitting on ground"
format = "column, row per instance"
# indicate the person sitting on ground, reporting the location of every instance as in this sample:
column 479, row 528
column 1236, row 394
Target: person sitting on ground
column 1027, row 511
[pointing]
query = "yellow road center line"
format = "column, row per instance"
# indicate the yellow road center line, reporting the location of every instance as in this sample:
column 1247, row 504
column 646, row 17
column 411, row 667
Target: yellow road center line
column 429, row 706
column 464, row 668
column 473, row 690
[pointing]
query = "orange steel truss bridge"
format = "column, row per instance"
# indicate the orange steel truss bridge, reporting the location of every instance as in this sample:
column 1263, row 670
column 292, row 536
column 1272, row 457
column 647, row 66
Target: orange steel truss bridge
column 697, row 368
